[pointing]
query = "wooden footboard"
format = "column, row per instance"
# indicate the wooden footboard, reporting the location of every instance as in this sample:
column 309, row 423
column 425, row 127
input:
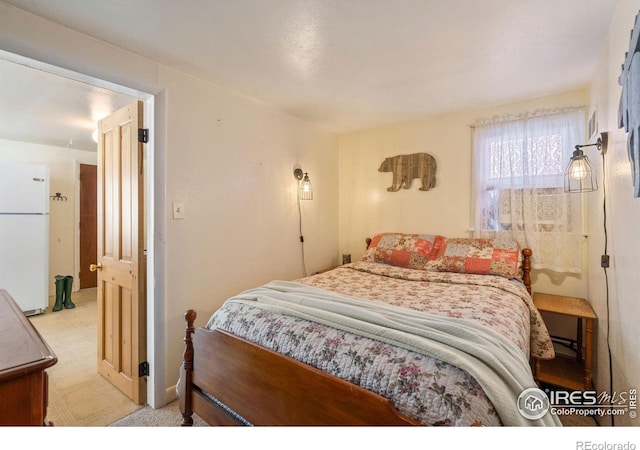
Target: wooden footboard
column 227, row 380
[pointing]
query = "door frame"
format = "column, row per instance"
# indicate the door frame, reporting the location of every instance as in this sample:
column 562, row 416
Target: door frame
column 157, row 394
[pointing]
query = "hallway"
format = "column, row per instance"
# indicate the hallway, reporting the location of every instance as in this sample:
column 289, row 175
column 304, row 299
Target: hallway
column 78, row 395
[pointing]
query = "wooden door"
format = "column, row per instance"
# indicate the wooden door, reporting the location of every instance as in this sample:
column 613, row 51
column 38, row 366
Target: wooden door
column 88, row 225
column 121, row 268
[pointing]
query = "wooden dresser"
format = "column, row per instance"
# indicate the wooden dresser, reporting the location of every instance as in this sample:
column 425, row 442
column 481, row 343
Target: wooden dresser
column 24, row 356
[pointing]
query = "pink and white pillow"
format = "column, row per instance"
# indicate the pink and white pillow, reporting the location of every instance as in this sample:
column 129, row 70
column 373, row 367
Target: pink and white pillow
column 439, row 253
column 477, row 256
column 411, row 251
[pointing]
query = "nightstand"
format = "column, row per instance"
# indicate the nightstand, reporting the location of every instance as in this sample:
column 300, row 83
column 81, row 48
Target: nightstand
column 564, row 371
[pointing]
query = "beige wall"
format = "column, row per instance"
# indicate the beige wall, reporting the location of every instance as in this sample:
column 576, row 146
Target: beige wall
column 623, row 224
column 63, row 171
column 367, row 208
column 230, row 160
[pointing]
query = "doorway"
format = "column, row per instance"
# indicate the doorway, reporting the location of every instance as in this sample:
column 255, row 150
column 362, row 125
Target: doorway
column 78, row 267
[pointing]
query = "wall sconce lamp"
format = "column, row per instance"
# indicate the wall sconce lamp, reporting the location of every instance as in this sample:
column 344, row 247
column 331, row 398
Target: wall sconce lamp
column 305, row 191
column 580, row 175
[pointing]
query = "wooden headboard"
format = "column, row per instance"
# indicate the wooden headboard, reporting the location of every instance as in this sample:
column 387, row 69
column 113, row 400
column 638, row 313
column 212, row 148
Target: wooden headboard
column 526, row 265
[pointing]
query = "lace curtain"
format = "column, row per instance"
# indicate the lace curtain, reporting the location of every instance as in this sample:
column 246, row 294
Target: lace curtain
column 518, row 185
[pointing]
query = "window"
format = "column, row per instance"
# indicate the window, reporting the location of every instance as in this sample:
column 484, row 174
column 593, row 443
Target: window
column 518, row 181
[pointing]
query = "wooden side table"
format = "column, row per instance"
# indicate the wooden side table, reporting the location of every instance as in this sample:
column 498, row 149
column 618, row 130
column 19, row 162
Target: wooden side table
column 24, row 356
column 564, row 371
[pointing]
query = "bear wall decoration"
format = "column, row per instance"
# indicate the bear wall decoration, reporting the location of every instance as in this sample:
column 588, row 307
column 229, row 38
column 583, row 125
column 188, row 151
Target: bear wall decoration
column 629, row 109
column 407, row 167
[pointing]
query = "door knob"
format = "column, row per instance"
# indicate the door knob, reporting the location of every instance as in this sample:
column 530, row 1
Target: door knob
column 94, row 267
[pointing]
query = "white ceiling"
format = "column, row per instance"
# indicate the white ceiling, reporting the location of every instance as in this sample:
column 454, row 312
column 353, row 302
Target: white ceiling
column 43, row 108
column 344, row 64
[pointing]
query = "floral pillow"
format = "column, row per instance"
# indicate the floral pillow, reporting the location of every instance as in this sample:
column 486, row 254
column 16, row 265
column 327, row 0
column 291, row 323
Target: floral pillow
column 477, row 256
column 411, row 251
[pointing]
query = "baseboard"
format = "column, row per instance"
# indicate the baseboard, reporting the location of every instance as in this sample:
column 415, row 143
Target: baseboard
column 170, row 394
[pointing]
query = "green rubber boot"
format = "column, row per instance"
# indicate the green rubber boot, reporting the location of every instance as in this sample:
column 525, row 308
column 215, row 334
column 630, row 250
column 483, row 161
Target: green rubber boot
column 59, row 292
column 68, row 284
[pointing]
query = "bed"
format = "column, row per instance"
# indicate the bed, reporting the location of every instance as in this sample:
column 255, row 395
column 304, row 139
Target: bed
column 424, row 330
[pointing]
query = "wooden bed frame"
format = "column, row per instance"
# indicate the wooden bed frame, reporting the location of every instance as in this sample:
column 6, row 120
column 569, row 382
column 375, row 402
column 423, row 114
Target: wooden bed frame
column 253, row 385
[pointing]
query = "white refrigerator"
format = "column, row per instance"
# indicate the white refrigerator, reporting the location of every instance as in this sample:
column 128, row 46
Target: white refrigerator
column 24, row 234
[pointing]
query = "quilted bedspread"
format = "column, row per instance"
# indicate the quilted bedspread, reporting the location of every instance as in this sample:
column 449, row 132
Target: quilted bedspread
column 422, row 387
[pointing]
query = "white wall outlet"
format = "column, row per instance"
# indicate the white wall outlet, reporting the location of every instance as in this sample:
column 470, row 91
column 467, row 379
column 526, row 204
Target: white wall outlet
column 178, row 210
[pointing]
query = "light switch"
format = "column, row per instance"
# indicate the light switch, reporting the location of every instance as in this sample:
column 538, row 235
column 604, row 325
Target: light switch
column 178, row 210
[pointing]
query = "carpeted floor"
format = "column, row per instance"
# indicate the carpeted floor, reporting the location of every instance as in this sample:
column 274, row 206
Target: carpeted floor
column 168, row 416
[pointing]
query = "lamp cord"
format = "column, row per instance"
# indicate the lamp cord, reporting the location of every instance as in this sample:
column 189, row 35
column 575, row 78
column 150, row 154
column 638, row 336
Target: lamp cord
column 606, row 280
column 304, row 266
